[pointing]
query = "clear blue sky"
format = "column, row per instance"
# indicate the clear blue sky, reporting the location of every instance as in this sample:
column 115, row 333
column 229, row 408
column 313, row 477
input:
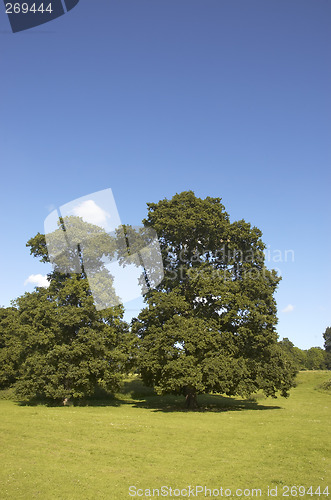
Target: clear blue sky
column 153, row 97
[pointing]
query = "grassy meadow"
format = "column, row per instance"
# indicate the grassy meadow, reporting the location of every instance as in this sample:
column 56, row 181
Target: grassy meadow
column 138, row 439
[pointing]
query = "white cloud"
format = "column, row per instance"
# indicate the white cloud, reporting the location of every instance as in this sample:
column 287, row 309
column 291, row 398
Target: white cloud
column 289, row 308
column 38, row 280
column 92, row 213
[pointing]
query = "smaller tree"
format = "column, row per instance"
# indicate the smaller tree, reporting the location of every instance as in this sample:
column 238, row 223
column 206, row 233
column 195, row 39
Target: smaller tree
column 9, row 346
column 67, row 346
column 295, row 354
column 327, row 347
column 300, row 358
column 315, row 359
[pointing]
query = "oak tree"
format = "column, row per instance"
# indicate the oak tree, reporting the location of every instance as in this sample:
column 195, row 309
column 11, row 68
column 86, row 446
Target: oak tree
column 210, row 325
column 67, row 346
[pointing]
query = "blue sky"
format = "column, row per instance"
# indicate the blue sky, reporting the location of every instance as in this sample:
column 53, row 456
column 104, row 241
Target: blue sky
column 154, row 97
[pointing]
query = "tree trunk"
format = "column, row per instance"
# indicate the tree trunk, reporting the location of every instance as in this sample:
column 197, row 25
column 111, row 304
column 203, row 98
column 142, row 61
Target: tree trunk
column 191, row 398
column 66, row 401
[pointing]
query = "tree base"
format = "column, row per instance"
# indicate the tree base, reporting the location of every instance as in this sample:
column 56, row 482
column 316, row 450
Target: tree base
column 191, row 400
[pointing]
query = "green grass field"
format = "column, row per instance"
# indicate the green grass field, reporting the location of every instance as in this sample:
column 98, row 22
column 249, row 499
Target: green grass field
column 142, row 440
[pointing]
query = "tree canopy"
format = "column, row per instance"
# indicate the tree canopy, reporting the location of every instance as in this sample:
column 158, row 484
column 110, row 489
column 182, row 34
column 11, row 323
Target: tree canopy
column 67, row 347
column 209, row 326
column 57, row 344
column 9, row 346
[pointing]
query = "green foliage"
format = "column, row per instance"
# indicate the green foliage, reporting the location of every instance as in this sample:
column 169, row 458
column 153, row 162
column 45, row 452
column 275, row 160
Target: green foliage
column 310, row 359
column 55, row 343
column 327, row 339
column 74, row 245
column 9, row 347
column 315, row 359
column 67, row 347
column 210, row 324
column 327, row 347
column 325, row 386
column 296, row 355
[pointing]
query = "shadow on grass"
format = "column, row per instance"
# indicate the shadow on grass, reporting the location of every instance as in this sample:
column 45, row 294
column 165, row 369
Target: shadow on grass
column 136, row 394
column 99, row 398
column 145, row 397
column 206, row 403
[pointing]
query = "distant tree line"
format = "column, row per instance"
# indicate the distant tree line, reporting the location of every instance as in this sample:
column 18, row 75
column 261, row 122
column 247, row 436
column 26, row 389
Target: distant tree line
column 209, row 326
column 314, row 358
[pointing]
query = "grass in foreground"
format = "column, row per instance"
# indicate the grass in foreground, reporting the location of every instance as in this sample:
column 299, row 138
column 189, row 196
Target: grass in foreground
column 137, row 438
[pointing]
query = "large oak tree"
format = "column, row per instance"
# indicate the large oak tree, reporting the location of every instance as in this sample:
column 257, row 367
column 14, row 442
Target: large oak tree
column 210, row 325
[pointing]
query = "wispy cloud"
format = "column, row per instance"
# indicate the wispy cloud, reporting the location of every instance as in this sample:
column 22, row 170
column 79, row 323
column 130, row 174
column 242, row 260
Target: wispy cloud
column 38, row 280
column 289, row 308
column 92, row 213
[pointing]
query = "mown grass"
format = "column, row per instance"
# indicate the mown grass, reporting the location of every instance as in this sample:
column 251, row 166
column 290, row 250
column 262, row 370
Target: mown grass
column 99, row 449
